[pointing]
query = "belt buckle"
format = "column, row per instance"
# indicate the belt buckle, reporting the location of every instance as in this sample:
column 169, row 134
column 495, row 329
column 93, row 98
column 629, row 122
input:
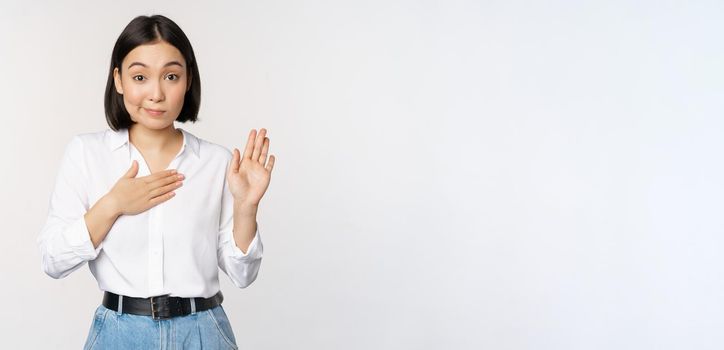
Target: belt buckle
column 161, row 310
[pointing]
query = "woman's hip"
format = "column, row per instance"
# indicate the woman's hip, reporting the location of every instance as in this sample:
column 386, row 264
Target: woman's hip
column 208, row 329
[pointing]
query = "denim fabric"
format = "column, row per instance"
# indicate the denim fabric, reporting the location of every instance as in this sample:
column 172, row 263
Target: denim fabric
column 209, row 329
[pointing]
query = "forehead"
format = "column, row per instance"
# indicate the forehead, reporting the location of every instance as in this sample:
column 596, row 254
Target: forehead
column 154, row 55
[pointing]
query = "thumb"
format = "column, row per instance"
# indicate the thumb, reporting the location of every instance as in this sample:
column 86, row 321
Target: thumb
column 234, row 164
column 132, row 171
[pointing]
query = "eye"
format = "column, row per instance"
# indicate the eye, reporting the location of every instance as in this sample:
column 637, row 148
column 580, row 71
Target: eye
column 172, row 76
column 135, row 77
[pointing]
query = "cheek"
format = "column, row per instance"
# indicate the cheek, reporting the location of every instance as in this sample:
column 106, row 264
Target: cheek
column 132, row 98
column 176, row 94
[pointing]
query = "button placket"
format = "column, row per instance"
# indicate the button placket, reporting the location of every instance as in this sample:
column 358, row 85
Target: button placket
column 155, row 248
column 155, row 237
column 155, row 227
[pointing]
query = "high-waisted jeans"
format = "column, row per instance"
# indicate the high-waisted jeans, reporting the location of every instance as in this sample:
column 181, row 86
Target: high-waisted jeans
column 209, row 329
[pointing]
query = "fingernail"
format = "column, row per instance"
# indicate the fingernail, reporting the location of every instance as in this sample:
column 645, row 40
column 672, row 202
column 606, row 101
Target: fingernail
column 181, row 176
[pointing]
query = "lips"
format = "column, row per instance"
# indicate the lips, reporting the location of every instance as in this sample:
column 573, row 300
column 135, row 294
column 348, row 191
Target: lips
column 154, row 112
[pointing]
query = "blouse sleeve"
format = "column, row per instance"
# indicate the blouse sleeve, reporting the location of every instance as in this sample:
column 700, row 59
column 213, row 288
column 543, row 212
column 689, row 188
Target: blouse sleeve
column 241, row 268
column 64, row 240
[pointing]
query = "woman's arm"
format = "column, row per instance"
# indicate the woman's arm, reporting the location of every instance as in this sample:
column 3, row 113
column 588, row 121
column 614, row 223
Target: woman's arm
column 64, row 241
column 244, row 224
column 238, row 258
column 100, row 218
column 247, row 178
column 73, row 233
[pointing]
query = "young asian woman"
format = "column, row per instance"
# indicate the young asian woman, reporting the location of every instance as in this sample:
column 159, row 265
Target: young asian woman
column 154, row 210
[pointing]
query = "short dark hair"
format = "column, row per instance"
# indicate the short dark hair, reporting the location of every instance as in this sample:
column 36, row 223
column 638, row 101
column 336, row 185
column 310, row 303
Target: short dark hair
column 143, row 30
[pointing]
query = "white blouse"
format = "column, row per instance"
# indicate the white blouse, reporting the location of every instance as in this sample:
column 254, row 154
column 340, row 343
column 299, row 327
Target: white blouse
column 173, row 248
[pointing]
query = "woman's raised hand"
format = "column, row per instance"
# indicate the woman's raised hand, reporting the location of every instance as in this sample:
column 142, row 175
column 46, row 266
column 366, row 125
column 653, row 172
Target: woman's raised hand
column 249, row 174
column 131, row 195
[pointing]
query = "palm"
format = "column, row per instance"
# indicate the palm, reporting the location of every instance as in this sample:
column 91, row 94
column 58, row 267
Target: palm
column 249, row 174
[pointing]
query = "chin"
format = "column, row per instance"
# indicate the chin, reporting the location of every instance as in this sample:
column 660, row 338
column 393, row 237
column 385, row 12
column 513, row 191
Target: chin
column 153, row 124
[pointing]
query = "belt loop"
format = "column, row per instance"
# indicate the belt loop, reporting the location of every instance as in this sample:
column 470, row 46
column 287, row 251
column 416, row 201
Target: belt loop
column 120, row 305
column 193, row 306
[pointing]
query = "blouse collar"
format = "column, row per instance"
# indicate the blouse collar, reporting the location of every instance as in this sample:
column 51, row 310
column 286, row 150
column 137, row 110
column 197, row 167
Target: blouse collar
column 119, row 138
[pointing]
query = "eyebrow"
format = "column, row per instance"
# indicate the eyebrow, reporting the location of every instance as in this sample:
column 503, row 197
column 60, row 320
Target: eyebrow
column 172, row 63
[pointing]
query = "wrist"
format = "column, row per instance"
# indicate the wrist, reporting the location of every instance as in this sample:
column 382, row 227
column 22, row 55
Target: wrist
column 245, row 208
column 108, row 207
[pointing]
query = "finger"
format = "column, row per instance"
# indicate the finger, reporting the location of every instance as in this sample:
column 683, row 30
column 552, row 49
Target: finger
column 165, row 189
column 257, row 144
column 159, row 175
column 270, row 164
column 132, row 171
column 249, row 144
column 165, row 181
column 160, row 199
column 234, row 165
column 264, row 151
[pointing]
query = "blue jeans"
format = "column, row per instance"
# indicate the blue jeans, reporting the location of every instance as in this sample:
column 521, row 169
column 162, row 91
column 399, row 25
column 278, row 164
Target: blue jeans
column 209, row 329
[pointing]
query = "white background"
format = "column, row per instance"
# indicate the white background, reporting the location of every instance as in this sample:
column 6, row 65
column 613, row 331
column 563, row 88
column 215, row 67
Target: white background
column 450, row 174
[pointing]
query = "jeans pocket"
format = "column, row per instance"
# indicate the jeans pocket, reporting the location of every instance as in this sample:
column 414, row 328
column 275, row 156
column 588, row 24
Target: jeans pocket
column 99, row 318
column 223, row 325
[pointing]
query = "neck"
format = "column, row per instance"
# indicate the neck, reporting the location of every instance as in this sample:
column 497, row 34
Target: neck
column 153, row 139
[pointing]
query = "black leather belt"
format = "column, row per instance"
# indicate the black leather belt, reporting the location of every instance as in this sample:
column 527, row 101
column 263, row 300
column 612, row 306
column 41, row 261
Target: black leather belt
column 162, row 306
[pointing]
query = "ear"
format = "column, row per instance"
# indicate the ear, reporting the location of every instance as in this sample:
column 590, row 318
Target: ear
column 188, row 82
column 117, row 81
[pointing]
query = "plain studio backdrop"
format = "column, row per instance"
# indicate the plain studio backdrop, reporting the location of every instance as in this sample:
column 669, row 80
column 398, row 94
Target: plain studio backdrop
column 450, row 174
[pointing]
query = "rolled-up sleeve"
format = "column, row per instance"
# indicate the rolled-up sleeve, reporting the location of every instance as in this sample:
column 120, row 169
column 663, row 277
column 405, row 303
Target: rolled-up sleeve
column 241, row 268
column 64, row 240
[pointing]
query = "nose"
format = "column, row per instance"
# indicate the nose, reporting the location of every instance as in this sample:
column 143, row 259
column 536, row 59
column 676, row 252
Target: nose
column 156, row 94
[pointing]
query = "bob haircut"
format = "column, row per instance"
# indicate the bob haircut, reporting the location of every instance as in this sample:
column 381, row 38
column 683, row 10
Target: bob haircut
column 146, row 30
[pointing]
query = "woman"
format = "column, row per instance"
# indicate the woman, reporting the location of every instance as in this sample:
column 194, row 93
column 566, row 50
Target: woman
column 155, row 210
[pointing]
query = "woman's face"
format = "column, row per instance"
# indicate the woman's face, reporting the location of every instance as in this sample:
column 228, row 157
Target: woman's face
column 153, row 83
